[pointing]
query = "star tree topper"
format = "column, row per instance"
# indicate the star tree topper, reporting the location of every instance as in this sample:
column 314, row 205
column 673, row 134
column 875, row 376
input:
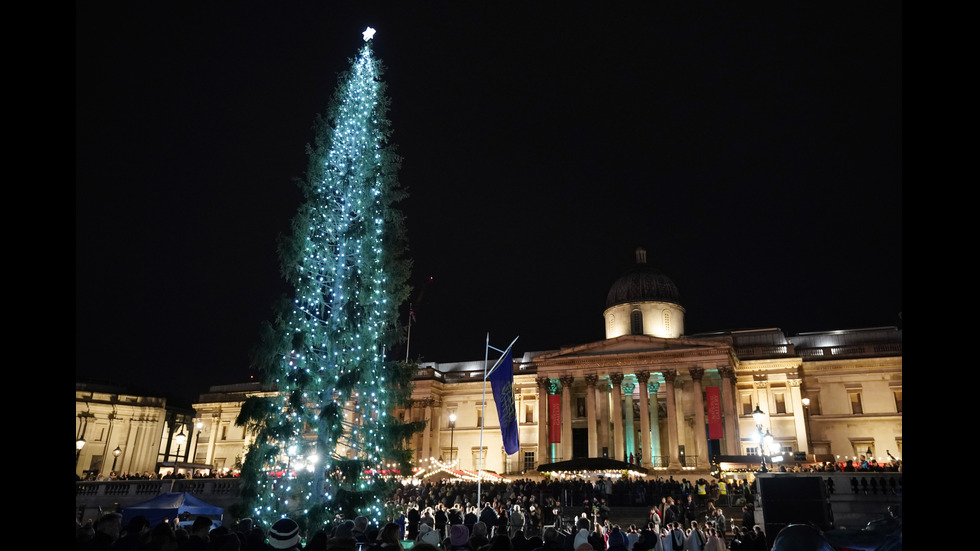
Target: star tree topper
column 368, row 34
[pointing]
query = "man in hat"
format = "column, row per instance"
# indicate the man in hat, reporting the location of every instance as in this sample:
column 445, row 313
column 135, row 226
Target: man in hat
column 284, row 534
column 459, row 538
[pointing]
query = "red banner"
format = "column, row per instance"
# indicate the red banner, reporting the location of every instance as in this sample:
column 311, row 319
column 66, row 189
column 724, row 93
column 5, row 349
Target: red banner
column 554, row 418
column 714, row 412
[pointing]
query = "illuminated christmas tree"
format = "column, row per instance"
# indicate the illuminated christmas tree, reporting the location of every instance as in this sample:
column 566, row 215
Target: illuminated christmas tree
column 327, row 441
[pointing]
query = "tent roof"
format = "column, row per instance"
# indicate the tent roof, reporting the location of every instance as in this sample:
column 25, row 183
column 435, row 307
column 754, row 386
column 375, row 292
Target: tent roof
column 591, row 464
column 169, row 505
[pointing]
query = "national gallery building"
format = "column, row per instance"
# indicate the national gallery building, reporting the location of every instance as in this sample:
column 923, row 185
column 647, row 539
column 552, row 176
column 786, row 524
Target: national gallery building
column 648, row 394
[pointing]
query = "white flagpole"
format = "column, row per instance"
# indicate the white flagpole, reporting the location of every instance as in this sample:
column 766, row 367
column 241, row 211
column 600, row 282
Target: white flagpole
column 483, row 409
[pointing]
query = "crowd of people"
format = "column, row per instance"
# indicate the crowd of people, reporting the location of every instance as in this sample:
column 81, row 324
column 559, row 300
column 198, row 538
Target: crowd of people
column 522, row 515
column 98, row 476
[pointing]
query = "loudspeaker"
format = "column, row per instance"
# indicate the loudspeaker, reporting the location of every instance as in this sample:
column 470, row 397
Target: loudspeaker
column 794, row 500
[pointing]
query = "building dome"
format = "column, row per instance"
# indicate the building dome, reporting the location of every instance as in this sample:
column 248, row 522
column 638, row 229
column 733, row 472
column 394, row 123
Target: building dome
column 642, row 283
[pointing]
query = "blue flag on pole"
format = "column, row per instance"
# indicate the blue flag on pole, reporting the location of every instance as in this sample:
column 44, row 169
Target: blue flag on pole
column 502, row 382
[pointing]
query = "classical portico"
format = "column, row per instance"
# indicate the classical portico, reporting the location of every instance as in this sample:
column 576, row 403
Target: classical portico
column 643, row 396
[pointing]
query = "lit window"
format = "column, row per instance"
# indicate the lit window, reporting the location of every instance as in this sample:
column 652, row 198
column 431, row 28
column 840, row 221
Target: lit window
column 636, row 322
column 746, row 404
column 528, row 460
column 780, row 402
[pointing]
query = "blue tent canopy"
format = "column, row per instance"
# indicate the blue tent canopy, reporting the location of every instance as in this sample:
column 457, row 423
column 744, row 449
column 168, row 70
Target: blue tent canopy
column 169, row 506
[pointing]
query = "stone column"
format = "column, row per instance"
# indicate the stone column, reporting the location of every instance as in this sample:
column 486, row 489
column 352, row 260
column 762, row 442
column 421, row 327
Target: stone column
column 728, row 405
column 629, row 441
column 603, row 432
column 212, row 439
column 646, row 453
column 437, row 431
column 657, row 449
column 590, row 405
column 427, row 434
column 543, row 420
column 799, row 415
column 617, row 414
column 700, row 435
column 566, row 413
column 673, row 441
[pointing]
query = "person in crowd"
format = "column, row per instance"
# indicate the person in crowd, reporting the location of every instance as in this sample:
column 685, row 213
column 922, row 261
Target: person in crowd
column 559, row 515
column 649, row 539
column 551, row 540
column 388, row 539
column 470, row 518
column 616, row 540
column 198, row 538
column 515, row 523
column 360, row 530
column 162, row 538
column 761, row 543
column 414, row 517
column 459, row 538
column 748, row 515
column 632, row 535
column 672, row 513
column 428, row 535
column 107, row 530
column 319, row 542
column 255, row 539
column 489, row 517
column 675, row 539
column 441, row 519
column 714, row 542
column 580, row 536
column 135, row 536
column 479, row 536
column 696, row 538
column 719, row 523
column 284, row 534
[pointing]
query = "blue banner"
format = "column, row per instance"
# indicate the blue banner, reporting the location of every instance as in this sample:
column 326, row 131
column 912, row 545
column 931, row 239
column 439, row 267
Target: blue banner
column 502, row 382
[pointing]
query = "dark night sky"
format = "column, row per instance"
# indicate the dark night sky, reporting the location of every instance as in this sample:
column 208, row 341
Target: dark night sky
column 754, row 149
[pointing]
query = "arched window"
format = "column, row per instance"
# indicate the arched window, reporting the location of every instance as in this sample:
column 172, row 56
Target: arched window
column 636, row 322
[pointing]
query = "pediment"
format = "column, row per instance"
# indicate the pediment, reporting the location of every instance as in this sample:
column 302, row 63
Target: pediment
column 638, row 345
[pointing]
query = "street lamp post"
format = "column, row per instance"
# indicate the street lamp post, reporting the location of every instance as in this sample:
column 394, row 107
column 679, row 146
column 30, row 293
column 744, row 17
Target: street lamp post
column 180, row 438
column 766, row 441
column 115, row 455
column 79, row 444
column 452, row 434
column 197, row 440
column 806, row 420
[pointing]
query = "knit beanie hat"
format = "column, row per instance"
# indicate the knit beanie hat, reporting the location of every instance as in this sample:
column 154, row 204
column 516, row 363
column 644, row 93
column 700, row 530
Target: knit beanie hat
column 459, row 534
column 284, row 534
column 581, row 537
